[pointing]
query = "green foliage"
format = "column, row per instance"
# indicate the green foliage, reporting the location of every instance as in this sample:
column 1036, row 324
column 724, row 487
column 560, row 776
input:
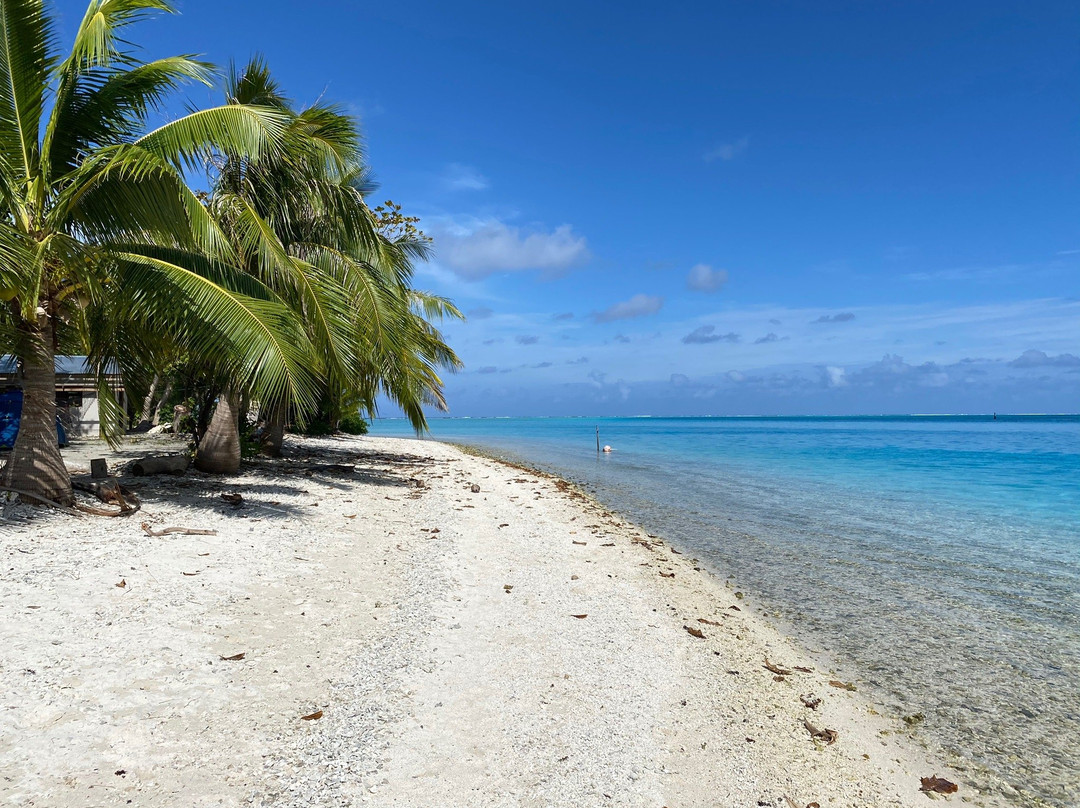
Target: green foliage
column 279, row 285
column 353, row 425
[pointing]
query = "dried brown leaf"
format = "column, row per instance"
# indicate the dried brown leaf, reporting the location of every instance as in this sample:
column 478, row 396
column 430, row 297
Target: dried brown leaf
column 810, row 700
column 579, row 616
column 315, row 716
column 707, row 622
column 939, row 785
column 829, row 736
column 695, row 632
column 842, row 685
column 777, row 669
column 582, row 543
column 234, row 657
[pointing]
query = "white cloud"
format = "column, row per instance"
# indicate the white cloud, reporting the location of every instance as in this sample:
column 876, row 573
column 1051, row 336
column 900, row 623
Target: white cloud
column 728, row 151
column 458, row 177
column 835, row 376
column 637, row 306
column 476, row 249
column 703, row 278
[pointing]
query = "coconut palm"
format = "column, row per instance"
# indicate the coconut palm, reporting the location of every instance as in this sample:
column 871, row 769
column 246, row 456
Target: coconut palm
column 104, row 250
column 300, row 225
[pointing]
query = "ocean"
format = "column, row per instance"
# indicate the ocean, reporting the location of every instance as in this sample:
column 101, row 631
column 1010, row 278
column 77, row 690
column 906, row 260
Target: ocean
column 933, row 559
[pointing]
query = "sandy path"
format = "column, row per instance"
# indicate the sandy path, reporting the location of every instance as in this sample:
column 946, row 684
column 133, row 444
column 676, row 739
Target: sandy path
column 380, row 597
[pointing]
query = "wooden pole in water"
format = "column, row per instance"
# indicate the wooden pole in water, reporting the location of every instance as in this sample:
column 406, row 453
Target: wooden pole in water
column 598, row 440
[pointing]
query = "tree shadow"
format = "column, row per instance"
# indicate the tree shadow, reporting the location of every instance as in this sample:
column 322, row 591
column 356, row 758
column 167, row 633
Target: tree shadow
column 340, row 467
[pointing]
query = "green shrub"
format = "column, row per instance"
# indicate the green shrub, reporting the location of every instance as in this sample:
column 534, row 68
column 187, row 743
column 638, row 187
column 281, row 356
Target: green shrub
column 353, row 425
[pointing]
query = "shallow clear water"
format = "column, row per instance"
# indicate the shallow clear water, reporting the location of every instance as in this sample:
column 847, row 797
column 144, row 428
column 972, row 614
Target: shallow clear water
column 937, row 556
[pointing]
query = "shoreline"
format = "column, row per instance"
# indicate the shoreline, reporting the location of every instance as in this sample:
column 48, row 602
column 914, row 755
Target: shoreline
column 382, row 599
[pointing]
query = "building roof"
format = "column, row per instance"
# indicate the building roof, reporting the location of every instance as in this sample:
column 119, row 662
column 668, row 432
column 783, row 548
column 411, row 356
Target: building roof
column 65, row 366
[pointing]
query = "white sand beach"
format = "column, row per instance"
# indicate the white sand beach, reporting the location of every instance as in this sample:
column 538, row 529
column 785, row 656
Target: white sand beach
column 520, row 646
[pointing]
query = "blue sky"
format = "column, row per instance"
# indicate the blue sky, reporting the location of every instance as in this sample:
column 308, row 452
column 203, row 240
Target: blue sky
column 715, row 208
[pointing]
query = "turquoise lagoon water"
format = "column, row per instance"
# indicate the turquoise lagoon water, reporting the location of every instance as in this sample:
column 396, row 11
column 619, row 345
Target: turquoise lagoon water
column 935, row 559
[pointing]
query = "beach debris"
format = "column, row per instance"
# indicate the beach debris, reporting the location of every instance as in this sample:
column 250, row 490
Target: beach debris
column 504, row 524
column 829, row 736
column 474, row 488
column 236, row 500
column 666, row 574
column 843, row 685
column 121, row 585
column 183, row 531
column 801, row 669
column 110, row 492
column 574, row 577
column 708, row 622
column 739, row 595
column 695, row 632
column 778, row 670
column 938, row 785
column 189, row 574
column 579, row 616
column 609, row 544
column 810, row 700
column 160, row 464
column 234, row 657
column 349, row 515
column 315, row 716
column 581, row 543
column 507, row 588
column 735, row 608
column 913, row 720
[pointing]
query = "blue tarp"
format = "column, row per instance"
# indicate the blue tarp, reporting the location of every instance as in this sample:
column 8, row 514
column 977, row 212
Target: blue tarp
column 10, row 412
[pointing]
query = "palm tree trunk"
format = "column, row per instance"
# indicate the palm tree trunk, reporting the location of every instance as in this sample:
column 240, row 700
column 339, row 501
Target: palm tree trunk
column 148, row 402
column 275, row 429
column 161, row 403
column 35, row 464
column 219, row 449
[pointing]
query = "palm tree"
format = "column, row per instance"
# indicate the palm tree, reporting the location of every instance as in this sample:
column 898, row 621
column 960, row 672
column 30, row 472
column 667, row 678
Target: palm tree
column 300, row 225
column 104, row 250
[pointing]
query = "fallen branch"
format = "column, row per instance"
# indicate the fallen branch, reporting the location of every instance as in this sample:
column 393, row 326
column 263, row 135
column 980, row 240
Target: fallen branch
column 42, row 500
column 183, row 531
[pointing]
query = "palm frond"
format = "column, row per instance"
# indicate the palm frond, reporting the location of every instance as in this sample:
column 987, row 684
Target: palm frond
column 192, row 141
column 96, row 40
column 260, row 339
column 103, row 107
column 26, row 58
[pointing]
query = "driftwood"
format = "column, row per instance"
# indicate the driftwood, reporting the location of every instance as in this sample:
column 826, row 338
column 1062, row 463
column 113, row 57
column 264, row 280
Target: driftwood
column 183, row 531
column 110, row 492
column 160, row 464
